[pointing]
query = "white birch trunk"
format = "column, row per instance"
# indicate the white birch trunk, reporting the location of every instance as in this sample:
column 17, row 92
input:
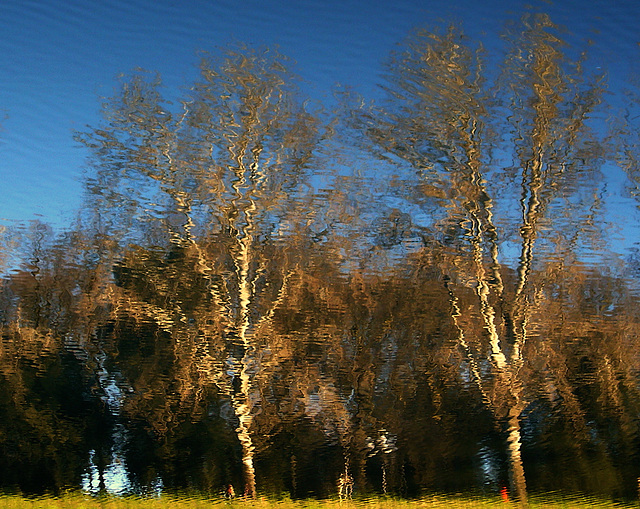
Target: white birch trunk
column 517, row 480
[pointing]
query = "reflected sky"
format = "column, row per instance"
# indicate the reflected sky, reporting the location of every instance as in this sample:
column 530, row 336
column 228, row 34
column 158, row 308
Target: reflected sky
column 58, row 59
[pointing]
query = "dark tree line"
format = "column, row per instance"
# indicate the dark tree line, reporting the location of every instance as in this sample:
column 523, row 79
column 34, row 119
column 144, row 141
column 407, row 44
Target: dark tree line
column 266, row 294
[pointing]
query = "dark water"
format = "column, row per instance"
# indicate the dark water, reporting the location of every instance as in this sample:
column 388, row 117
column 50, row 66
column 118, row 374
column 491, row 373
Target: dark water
column 291, row 292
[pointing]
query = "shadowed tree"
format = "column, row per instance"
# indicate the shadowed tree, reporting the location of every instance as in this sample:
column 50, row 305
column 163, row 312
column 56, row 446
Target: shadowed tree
column 52, row 413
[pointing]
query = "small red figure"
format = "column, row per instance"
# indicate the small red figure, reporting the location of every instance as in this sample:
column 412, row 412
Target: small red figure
column 230, row 492
column 504, row 494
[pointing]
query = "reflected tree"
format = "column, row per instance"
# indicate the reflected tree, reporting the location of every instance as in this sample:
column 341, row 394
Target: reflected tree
column 457, row 132
column 214, row 183
column 52, row 414
column 624, row 136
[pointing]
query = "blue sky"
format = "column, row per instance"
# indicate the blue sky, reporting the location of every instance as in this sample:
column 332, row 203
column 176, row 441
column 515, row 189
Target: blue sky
column 58, row 57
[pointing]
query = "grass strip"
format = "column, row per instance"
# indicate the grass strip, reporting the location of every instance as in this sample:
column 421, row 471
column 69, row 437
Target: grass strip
column 84, row 501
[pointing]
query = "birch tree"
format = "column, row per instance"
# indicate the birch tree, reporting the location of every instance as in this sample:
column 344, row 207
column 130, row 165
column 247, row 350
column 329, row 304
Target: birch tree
column 215, row 180
column 457, row 131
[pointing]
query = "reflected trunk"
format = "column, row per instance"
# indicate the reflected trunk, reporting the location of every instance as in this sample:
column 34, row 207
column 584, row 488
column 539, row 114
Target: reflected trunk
column 248, row 468
column 517, row 480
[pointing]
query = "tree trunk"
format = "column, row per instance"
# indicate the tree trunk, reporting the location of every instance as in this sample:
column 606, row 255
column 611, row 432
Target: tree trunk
column 248, row 470
column 517, row 479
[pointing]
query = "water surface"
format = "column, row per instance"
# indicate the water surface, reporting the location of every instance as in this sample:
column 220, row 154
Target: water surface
column 322, row 251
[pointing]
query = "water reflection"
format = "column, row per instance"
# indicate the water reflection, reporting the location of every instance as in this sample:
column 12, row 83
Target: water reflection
column 236, row 308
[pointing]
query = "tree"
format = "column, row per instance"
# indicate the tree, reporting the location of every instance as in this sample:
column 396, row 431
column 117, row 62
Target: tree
column 213, row 183
column 52, row 412
column 444, row 122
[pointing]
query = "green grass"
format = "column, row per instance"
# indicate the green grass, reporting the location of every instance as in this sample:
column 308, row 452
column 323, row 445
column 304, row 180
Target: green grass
column 81, row 501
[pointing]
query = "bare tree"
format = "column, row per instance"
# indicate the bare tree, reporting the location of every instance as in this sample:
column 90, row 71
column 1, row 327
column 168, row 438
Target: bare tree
column 456, row 131
column 215, row 181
